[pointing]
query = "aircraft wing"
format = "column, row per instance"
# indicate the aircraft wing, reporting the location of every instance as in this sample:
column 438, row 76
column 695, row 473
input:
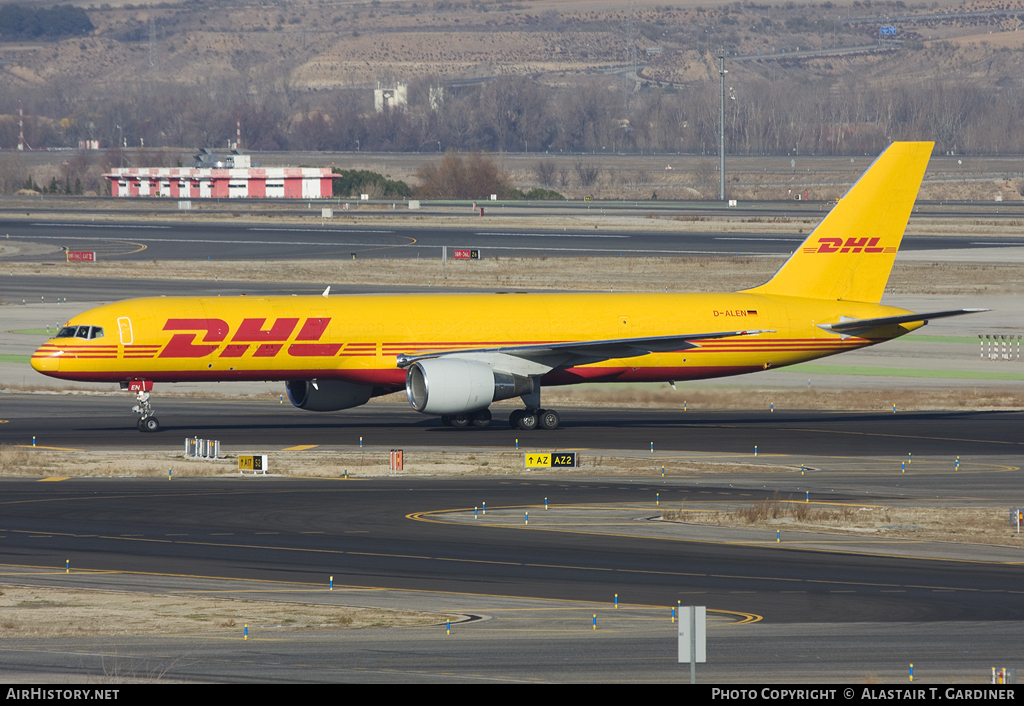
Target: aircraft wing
column 570, row 353
column 851, row 327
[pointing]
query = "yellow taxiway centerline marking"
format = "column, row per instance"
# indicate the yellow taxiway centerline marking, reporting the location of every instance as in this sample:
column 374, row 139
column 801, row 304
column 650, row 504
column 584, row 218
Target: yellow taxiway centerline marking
column 302, row 447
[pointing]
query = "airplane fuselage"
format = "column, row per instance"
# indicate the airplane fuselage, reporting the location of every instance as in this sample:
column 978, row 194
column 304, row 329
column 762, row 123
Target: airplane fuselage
column 357, row 338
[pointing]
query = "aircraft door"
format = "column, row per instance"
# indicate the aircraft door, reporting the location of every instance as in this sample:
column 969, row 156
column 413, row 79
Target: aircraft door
column 124, row 329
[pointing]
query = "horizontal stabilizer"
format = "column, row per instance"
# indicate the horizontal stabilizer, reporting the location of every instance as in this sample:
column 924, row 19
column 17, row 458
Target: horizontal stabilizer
column 854, row 326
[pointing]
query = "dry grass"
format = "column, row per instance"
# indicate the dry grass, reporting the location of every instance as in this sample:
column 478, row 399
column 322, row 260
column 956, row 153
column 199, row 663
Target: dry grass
column 975, row 525
column 16, row 461
column 62, row 613
column 332, row 463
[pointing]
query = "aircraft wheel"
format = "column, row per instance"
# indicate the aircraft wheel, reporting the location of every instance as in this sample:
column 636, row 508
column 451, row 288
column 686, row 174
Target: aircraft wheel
column 548, row 419
column 482, row 418
column 459, row 421
column 139, row 425
column 446, row 420
column 513, row 419
column 528, row 420
column 150, row 424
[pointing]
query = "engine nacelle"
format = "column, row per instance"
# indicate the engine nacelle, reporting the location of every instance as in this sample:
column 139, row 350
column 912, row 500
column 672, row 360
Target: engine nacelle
column 456, row 386
column 327, row 395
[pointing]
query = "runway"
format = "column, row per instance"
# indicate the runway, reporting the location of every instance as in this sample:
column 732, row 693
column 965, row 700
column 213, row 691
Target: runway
column 127, row 241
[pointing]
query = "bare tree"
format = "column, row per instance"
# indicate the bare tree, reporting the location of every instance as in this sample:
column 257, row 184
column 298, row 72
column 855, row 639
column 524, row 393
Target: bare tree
column 587, row 173
column 453, row 177
column 545, row 171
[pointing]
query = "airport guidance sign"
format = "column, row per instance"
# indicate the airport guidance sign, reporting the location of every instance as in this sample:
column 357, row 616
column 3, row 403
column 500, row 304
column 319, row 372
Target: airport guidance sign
column 257, row 464
column 550, row 460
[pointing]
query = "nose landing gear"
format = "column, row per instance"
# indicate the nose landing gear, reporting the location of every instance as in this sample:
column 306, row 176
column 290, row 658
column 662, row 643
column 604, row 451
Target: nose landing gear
column 141, row 388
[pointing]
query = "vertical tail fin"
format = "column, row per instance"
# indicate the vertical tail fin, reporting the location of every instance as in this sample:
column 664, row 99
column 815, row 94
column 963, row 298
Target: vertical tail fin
column 850, row 254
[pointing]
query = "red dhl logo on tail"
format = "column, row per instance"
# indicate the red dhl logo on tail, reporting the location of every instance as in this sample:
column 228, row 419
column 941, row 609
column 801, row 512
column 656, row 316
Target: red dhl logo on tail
column 851, row 245
column 268, row 341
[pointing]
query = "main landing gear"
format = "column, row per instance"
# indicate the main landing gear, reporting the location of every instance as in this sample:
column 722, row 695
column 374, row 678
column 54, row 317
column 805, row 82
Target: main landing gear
column 533, row 417
column 529, row 419
column 141, row 388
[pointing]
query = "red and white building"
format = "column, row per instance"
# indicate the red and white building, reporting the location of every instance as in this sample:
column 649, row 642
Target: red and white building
column 235, row 182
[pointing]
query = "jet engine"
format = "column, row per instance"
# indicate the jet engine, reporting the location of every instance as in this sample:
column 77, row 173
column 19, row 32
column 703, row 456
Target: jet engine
column 456, row 386
column 327, row 395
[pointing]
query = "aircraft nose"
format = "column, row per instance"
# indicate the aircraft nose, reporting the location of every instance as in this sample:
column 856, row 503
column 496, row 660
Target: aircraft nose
column 46, row 359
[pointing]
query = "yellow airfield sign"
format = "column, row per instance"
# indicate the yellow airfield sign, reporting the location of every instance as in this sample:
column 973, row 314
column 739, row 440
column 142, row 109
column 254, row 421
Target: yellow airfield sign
column 253, row 463
column 550, row 460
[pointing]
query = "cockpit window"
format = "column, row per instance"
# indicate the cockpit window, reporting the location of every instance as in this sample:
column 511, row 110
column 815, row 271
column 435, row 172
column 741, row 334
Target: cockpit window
column 86, row 332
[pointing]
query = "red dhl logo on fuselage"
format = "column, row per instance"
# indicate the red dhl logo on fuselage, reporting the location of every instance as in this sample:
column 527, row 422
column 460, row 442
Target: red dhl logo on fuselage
column 268, row 341
column 850, row 245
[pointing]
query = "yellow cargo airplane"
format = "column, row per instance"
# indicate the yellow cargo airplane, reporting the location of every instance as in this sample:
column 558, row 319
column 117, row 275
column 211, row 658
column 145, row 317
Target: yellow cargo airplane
column 455, row 354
